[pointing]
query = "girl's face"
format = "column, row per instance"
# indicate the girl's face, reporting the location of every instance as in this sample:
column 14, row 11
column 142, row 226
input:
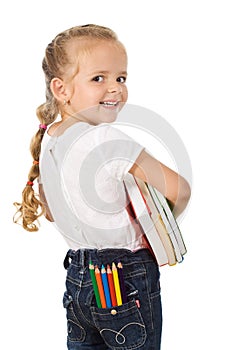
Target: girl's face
column 98, row 89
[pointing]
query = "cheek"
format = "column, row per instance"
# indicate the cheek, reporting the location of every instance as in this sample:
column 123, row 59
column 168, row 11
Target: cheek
column 95, row 94
column 125, row 94
column 88, row 98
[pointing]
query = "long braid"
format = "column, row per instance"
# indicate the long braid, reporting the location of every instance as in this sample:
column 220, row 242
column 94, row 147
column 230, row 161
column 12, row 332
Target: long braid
column 32, row 207
column 54, row 64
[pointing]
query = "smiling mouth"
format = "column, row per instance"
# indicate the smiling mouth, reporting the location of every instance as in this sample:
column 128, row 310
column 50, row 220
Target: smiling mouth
column 109, row 103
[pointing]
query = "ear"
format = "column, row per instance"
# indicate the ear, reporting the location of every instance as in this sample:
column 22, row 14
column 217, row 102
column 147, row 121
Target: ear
column 58, row 89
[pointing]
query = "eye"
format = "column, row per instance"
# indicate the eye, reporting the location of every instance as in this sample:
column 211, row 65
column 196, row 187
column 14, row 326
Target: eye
column 98, row 78
column 121, row 79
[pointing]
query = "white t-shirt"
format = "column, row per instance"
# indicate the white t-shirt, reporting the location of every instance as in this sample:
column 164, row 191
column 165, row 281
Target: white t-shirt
column 82, row 173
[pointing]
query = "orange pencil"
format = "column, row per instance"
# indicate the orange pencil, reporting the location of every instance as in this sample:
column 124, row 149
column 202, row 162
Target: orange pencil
column 111, row 286
column 100, row 287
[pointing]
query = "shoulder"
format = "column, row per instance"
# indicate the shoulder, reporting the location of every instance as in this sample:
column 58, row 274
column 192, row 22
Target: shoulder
column 107, row 132
column 54, row 128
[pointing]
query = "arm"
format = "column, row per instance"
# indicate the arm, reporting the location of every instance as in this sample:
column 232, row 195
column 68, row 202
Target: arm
column 173, row 186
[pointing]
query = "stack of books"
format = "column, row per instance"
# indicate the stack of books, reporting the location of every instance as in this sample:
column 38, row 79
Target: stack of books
column 153, row 214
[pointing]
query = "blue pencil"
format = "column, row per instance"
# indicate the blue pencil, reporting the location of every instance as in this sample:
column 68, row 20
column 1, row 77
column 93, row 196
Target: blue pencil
column 106, row 287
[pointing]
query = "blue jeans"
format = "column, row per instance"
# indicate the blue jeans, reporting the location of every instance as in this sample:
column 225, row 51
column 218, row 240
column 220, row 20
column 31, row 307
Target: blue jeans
column 136, row 324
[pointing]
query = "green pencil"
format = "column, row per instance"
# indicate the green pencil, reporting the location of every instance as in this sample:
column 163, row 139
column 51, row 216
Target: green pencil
column 95, row 287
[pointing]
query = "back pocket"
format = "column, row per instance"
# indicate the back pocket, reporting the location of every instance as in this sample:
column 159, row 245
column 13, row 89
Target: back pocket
column 121, row 327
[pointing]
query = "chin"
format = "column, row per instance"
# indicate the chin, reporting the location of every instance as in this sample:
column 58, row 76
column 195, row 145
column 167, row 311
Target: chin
column 108, row 117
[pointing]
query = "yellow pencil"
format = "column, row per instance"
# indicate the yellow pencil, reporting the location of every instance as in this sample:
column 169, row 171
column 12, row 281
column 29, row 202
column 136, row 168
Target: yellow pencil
column 116, row 284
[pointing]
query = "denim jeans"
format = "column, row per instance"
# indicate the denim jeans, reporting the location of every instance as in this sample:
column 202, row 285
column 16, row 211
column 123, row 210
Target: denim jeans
column 136, row 324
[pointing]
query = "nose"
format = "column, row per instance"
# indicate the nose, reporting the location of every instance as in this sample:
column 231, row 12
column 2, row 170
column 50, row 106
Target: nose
column 114, row 87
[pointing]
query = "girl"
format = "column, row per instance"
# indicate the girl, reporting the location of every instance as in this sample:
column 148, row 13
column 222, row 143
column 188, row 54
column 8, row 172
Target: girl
column 81, row 171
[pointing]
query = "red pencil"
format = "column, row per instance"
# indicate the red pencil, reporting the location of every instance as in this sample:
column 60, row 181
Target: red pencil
column 100, row 287
column 111, row 286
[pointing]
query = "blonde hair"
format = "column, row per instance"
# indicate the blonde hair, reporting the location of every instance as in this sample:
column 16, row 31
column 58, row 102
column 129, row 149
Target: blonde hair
column 54, row 64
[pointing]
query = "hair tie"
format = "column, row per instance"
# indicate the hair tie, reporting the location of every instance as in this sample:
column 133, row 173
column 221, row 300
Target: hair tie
column 43, row 126
column 35, row 162
column 30, row 183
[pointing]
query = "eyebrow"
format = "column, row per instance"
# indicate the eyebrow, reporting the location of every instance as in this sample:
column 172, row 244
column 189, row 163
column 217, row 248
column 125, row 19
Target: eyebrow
column 105, row 72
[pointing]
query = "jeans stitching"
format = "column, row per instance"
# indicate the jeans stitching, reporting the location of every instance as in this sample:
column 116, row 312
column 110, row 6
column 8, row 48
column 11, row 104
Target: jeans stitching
column 119, row 333
column 81, row 312
column 148, row 298
column 71, row 318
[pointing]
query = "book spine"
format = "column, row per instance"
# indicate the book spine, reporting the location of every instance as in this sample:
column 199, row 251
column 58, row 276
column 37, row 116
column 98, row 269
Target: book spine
column 143, row 217
column 173, row 223
column 167, row 223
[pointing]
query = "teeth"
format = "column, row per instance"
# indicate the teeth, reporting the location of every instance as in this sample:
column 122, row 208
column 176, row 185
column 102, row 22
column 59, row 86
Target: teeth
column 109, row 103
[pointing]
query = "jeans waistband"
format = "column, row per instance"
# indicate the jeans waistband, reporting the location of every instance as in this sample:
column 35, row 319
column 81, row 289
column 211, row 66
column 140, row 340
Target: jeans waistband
column 82, row 257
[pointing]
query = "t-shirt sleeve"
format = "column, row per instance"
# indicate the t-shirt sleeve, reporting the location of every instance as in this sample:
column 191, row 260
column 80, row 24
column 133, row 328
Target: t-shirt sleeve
column 117, row 150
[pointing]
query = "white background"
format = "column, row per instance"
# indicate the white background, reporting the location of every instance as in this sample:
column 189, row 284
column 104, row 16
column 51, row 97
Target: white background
column 180, row 66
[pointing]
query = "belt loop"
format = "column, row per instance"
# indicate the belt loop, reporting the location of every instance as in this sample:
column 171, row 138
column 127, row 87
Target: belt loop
column 70, row 254
column 82, row 257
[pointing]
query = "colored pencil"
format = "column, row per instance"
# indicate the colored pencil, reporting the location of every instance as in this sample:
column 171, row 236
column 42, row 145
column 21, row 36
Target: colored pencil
column 116, row 284
column 111, row 286
column 94, row 283
column 122, row 282
column 106, row 287
column 100, row 286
